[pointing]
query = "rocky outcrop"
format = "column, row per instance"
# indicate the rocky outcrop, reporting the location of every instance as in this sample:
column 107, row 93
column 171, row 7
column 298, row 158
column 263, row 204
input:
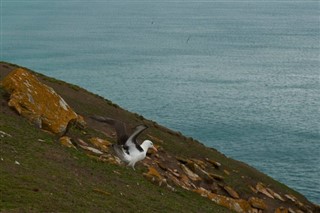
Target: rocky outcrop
column 38, row 102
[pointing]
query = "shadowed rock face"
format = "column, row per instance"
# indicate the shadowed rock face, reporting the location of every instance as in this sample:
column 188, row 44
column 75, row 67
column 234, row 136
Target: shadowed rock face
column 38, row 102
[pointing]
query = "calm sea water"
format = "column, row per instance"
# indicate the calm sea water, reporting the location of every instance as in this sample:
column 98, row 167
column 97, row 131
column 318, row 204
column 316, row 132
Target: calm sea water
column 240, row 76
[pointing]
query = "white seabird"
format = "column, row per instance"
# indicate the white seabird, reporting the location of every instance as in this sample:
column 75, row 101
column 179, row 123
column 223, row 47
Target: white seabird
column 127, row 147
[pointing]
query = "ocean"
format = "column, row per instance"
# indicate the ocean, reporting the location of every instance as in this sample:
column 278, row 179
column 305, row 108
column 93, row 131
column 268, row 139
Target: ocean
column 240, row 76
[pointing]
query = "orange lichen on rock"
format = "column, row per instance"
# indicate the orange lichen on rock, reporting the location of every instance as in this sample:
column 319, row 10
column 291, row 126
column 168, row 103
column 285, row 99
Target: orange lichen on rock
column 100, row 143
column 257, row 203
column 154, row 176
column 231, row 192
column 201, row 191
column 281, row 210
column 153, row 173
column 37, row 102
column 263, row 189
column 66, row 141
column 238, row 205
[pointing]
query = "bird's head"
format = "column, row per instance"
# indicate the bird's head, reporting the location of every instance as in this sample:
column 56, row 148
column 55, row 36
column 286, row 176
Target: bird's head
column 148, row 144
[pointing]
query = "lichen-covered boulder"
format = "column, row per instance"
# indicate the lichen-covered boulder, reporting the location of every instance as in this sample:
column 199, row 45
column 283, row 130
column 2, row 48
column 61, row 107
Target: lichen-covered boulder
column 237, row 205
column 37, row 101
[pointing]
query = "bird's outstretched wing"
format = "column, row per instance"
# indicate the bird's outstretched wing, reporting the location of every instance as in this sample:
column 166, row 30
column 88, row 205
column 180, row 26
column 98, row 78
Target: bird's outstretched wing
column 119, row 126
column 132, row 143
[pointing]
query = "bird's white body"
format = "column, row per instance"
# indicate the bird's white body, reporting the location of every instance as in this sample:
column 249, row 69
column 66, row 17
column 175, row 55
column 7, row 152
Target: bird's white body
column 136, row 155
column 127, row 147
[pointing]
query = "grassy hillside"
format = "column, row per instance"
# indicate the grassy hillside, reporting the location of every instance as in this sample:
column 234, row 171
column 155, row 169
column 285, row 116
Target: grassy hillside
column 37, row 174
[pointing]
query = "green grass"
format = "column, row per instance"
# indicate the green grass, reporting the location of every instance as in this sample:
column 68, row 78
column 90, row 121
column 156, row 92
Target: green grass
column 52, row 178
column 57, row 179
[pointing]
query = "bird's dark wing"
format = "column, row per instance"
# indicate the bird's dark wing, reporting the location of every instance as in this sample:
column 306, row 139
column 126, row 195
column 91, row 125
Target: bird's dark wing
column 119, row 126
column 132, row 143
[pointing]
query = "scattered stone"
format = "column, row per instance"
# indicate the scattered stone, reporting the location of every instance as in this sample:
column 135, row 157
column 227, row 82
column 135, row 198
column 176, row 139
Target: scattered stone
column 257, row 203
column 201, row 191
column 81, row 142
column 106, row 158
column 187, row 184
column 290, row 210
column 4, row 134
column 262, row 189
column 231, row 192
column 112, row 159
column 193, row 176
column 291, row 197
column 214, row 163
column 101, row 191
column 162, row 166
column 217, row 177
column 295, row 200
column 255, row 210
column 91, row 149
column 118, row 173
column 226, row 172
column 175, row 180
column 38, row 102
column 17, row 163
column 171, row 188
column 274, row 194
column 214, row 187
column 237, row 205
column 199, row 163
column 281, row 210
column 66, row 141
column 153, row 173
column 154, row 176
column 41, row 140
column 100, row 143
column 183, row 160
column 253, row 189
column 200, row 172
column 175, row 173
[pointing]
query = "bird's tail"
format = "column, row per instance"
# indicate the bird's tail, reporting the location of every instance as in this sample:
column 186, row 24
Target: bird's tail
column 119, row 152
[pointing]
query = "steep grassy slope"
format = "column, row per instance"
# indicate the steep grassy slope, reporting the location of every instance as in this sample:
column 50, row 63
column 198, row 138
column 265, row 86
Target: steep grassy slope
column 38, row 174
